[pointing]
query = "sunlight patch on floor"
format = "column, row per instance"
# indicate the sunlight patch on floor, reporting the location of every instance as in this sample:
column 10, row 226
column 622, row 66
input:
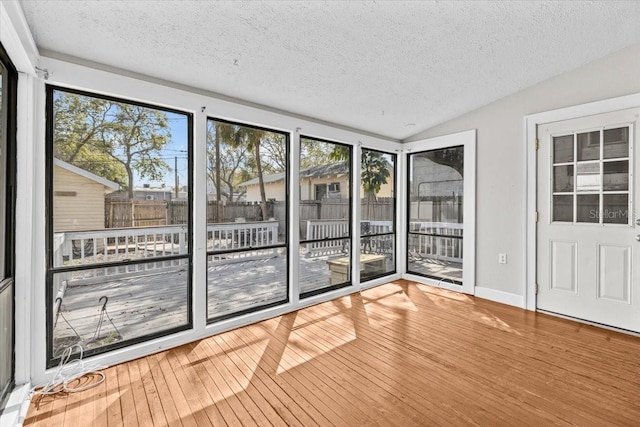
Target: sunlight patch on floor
column 315, row 336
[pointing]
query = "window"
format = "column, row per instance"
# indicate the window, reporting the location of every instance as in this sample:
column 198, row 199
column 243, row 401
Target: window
column 591, row 177
column 377, row 226
column 119, row 264
column 325, row 222
column 8, row 86
column 247, row 219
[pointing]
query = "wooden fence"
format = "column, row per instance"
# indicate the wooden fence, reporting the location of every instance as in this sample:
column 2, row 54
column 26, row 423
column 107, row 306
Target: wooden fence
column 135, row 213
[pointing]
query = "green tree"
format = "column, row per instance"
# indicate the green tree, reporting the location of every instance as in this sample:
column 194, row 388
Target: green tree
column 79, row 122
column 226, row 164
column 135, row 140
column 243, row 138
column 111, row 139
column 315, row 153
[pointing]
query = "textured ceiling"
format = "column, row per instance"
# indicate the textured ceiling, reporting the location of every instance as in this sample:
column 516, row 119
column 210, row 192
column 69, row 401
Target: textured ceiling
column 390, row 68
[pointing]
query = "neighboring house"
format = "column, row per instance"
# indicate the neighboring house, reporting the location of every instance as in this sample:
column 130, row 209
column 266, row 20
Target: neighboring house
column 316, row 183
column 436, row 192
column 144, row 193
column 78, row 202
column 431, row 179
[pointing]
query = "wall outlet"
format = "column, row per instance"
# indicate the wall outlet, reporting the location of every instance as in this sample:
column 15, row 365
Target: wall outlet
column 502, row 258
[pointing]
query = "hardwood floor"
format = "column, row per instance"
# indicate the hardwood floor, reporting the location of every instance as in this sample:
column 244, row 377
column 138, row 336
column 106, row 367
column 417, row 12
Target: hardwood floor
column 400, row 354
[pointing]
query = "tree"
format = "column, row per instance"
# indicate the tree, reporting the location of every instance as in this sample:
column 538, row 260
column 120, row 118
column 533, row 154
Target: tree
column 452, row 157
column 315, row 153
column 110, row 139
column 135, row 140
column 275, row 153
column 78, row 125
column 246, row 139
column 226, row 165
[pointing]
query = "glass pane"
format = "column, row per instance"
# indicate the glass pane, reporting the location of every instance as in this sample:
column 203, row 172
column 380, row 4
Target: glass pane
column 616, row 176
column 615, row 209
column 377, row 256
column 563, row 208
column 247, row 188
column 378, row 191
column 246, row 183
column 588, row 177
column 616, row 143
column 120, row 180
column 563, row 178
column 435, row 256
column 377, row 252
column 109, row 306
column 436, row 187
column 3, row 172
column 563, row 149
column 6, row 340
column 325, row 214
column 589, row 146
column 243, row 281
column 588, row 208
column 324, row 265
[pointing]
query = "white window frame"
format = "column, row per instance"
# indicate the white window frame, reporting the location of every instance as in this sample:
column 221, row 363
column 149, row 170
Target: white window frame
column 467, row 139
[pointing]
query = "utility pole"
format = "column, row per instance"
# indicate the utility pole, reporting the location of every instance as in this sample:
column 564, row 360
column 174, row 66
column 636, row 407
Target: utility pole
column 177, row 180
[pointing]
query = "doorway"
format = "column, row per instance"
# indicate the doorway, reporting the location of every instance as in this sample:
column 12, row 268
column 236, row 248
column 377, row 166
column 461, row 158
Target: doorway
column 440, row 210
column 588, row 225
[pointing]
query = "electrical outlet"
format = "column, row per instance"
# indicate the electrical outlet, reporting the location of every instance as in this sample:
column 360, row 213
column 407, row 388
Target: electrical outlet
column 502, row 258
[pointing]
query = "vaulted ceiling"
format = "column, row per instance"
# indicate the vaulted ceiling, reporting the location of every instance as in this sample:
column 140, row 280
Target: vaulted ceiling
column 389, row 68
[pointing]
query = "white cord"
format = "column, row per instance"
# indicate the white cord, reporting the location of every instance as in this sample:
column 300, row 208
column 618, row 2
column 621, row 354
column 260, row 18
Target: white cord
column 69, row 371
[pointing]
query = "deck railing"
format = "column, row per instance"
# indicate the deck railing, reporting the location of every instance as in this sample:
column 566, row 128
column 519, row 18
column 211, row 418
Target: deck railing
column 122, row 244
column 433, row 241
column 332, row 229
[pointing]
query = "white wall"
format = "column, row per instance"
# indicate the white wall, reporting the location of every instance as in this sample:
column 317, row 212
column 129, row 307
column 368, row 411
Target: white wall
column 501, row 157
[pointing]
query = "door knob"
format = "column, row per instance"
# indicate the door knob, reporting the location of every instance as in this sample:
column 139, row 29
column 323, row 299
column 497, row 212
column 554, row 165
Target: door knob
column 638, row 237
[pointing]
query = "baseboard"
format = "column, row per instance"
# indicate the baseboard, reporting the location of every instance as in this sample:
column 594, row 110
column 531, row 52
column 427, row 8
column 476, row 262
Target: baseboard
column 17, row 406
column 500, row 296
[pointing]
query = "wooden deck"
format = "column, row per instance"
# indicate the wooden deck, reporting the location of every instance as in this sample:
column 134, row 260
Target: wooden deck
column 147, row 302
column 400, row 354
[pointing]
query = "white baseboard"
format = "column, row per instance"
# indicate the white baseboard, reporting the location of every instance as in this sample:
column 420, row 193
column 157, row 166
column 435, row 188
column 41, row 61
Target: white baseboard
column 17, row 406
column 499, row 296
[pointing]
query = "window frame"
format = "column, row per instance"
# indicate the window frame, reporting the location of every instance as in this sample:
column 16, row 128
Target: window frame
column 286, row 244
column 393, row 232
column 8, row 193
column 309, row 294
column 51, row 270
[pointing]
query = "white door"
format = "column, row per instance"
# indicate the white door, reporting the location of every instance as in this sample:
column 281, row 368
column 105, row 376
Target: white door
column 588, row 226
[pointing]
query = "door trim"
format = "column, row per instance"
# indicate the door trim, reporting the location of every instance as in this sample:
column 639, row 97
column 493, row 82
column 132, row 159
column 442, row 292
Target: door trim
column 531, row 123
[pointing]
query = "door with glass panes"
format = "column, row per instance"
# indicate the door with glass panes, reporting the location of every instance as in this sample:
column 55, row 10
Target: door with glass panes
column 588, row 236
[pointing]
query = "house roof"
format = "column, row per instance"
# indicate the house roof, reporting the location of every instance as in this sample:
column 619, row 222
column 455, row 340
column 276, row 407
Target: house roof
column 93, row 177
column 312, row 172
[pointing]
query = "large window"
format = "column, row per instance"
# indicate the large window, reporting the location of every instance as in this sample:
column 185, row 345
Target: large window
column 325, row 216
column 378, row 213
column 247, row 218
column 119, row 222
column 8, row 83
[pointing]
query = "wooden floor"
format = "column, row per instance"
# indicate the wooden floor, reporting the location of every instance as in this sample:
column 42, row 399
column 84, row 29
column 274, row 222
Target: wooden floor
column 400, row 354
